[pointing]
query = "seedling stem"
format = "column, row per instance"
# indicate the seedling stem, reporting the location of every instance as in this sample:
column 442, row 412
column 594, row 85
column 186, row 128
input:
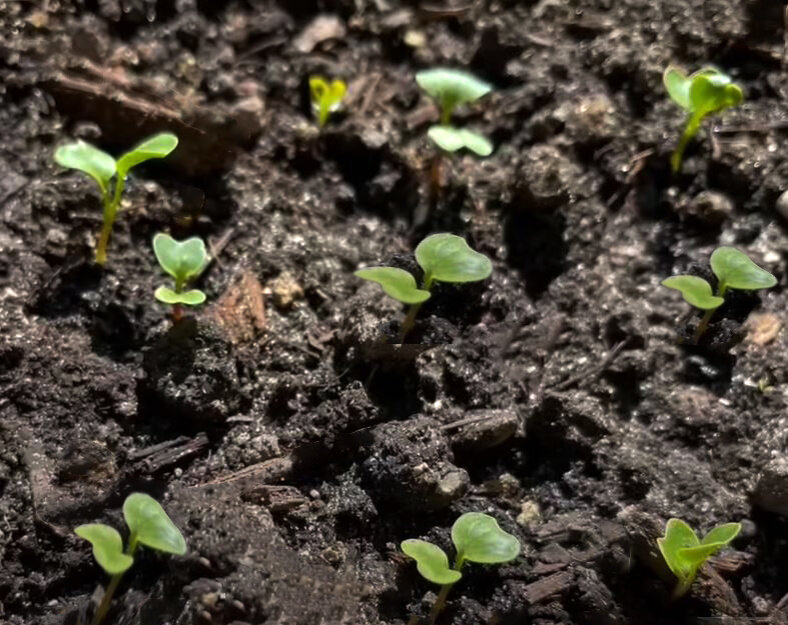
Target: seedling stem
column 691, row 129
column 704, row 322
column 440, row 601
column 110, row 211
column 413, row 311
column 106, row 599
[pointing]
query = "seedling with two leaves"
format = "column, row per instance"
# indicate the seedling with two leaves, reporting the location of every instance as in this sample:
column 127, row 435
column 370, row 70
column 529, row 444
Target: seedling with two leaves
column 477, row 538
column 184, row 261
column 706, row 92
column 326, row 97
column 148, row 525
column 733, row 269
column 685, row 553
column 443, row 258
column 451, row 88
column 103, row 168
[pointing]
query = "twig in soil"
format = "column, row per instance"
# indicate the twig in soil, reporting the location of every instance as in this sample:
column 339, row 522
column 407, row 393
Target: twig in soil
column 434, row 12
column 463, row 422
column 594, row 371
column 216, row 248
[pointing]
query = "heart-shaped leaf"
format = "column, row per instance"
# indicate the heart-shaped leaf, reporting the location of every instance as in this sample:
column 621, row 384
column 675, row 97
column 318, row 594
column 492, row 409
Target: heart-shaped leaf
column 677, row 84
column 722, row 534
column 431, row 561
column 478, row 538
column 88, row 159
column 713, row 92
column 157, row 146
column 454, row 85
column 151, row 526
column 735, row 270
column 452, row 139
column 448, row 258
column 396, row 283
column 326, row 97
column 678, row 535
column 192, row 297
column 696, row 291
column 107, row 547
column 183, row 260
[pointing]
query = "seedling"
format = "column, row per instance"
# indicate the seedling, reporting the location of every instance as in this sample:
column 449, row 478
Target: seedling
column 476, row 537
column 451, row 88
column 102, row 168
column 326, row 97
column 685, row 553
column 443, row 258
column 184, row 261
column 148, row 525
column 706, row 92
column 734, row 270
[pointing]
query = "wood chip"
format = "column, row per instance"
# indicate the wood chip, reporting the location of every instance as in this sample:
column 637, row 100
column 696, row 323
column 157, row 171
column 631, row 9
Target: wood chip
column 240, row 310
column 763, row 328
column 322, row 28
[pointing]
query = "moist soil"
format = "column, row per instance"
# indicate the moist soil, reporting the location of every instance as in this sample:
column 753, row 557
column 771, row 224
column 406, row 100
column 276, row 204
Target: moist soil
column 288, row 437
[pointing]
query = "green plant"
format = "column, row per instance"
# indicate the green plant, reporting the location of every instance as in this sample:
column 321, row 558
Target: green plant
column 326, row 97
column 451, row 88
column 102, row 168
column 184, row 261
column 148, row 525
column 685, row 553
column 733, row 269
column 706, row 92
column 443, row 258
column 476, row 537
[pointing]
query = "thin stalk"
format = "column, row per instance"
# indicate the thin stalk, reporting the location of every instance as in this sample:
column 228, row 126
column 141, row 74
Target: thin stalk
column 693, row 125
column 440, row 601
column 177, row 309
column 413, row 311
column 110, row 211
column 704, row 322
column 106, row 599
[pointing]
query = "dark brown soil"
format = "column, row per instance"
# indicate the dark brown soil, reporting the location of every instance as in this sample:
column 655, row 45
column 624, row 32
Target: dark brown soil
column 294, row 449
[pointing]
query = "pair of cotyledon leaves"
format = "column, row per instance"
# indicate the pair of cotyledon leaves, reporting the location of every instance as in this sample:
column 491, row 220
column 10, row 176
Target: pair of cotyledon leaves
column 102, row 167
column 443, row 258
column 734, row 270
column 184, row 261
column 452, row 88
column 476, row 537
column 685, row 553
column 148, row 524
column 702, row 93
column 326, row 97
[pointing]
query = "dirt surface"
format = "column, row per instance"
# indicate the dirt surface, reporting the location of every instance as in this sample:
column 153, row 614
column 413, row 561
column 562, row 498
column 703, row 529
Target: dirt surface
column 289, row 442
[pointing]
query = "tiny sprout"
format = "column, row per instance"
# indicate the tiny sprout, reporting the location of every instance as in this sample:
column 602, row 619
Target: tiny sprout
column 148, row 525
column 706, row 92
column 326, row 97
column 685, row 553
column 102, row 167
column 734, row 270
column 476, row 537
column 443, row 258
column 184, row 261
column 451, row 88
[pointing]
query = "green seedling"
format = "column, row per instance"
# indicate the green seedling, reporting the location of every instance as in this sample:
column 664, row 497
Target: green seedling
column 443, row 258
column 477, row 538
column 148, row 525
column 102, row 168
column 326, row 97
column 706, row 92
column 734, row 270
column 685, row 553
column 451, row 88
column 184, row 261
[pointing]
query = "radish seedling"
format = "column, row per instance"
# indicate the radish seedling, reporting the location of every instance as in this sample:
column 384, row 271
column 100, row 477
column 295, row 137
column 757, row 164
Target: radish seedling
column 443, row 258
column 701, row 94
column 734, row 270
column 326, row 97
column 685, row 553
column 451, row 88
column 184, row 261
column 148, row 525
column 102, row 168
column 476, row 537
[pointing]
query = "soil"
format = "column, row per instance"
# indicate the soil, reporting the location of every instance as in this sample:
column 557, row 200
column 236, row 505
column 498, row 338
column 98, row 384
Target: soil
column 293, row 445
